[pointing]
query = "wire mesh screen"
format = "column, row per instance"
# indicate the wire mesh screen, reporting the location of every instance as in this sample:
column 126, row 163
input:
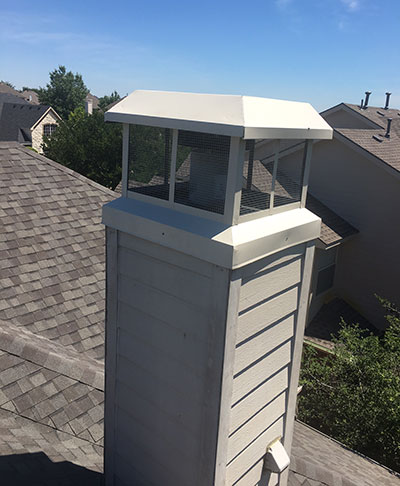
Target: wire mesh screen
column 149, row 160
column 267, row 185
column 257, row 182
column 289, row 176
column 202, row 169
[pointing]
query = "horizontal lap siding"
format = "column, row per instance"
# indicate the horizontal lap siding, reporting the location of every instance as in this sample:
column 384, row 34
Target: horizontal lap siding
column 162, row 379
column 266, row 325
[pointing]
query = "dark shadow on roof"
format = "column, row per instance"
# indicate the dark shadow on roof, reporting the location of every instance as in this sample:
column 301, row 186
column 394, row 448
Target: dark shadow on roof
column 36, row 469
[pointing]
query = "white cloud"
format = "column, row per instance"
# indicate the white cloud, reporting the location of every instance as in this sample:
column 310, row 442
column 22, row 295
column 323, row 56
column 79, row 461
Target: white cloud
column 351, row 5
column 282, row 3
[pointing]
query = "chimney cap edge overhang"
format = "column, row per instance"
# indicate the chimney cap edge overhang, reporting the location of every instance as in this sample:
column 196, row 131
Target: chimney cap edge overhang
column 243, row 116
column 226, row 246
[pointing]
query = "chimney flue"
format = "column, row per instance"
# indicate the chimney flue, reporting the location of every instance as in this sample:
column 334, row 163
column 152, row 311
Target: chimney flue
column 367, row 95
column 389, row 123
column 387, row 100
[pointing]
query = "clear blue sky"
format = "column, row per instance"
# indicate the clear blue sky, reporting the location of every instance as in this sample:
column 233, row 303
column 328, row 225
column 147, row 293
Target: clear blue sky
column 321, row 51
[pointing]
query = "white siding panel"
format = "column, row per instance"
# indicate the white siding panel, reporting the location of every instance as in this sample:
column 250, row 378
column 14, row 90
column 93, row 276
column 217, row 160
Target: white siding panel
column 177, row 281
column 167, row 428
column 159, row 394
column 263, row 343
column 160, row 305
column 250, row 405
column 256, row 319
column 160, row 366
column 250, row 456
column 260, row 372
column 263, row 285
column 151, row 458
column 166, row 254
column 180, row 345
column 254, row 427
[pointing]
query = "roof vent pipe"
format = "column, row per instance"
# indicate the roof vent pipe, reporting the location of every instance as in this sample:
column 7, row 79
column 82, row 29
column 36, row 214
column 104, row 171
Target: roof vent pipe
column 367, row 95
column 362, row 102
column 387, row 100
column 389, row 123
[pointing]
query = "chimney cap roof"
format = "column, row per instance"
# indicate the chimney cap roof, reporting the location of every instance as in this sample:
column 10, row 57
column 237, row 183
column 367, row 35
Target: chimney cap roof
column 233, row 115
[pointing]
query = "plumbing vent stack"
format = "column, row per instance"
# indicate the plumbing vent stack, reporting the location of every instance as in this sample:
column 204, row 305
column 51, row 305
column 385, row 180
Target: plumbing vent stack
column 389, row 123
column 387, row 100
column 367, row 95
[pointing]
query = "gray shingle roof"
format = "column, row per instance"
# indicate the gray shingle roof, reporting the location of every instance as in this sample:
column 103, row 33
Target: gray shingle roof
column 373, row 140
column 17, row 116
column 51, row 250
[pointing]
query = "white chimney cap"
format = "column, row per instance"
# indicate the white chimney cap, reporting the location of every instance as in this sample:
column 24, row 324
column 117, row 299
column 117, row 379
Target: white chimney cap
column 247, row 117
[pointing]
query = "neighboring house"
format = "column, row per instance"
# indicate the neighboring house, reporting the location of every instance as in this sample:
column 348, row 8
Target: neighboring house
column 30, row 96
column 52, row 337
column 91, row 103
column 356, row 176
column 25, row 122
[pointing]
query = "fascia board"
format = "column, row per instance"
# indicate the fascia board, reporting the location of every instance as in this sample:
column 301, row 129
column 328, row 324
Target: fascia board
column 229, row 247
column 288, row 133
column 173, row 123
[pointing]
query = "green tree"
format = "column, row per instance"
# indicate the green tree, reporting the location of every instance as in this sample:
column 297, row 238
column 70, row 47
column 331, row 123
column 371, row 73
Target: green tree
column 354, row 396
column 88, row 145
column 106, row 100
column 7, row 83
column 65, row 92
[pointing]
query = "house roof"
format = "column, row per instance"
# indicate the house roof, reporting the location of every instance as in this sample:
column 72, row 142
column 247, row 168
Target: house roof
column 30, row 96
column 18, row 118
column 375, row 143
column 94, row 99
column 375, row 114
column 50, row 231
column 51, row 314
column 243, row 116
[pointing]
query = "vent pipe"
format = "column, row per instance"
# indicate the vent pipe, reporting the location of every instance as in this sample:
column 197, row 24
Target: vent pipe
column 389, row 123
column 387, row 100
column 367, row 95
column 361, row 104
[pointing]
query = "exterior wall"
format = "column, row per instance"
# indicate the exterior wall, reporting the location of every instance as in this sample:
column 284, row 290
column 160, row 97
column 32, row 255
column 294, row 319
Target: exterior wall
column 344, row 119
column 163, row 389
column 268, row 305
column 368, row 197
column 37, row 132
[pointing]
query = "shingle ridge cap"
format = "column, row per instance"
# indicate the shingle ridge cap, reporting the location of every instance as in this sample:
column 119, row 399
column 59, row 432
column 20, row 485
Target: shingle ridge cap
column 51, row 355
column 67, row 170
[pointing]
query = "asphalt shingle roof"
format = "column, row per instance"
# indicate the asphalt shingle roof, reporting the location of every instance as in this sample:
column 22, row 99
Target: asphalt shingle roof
column 17, row 116
column 373, row 140
column 51, row 250
column 51, row 332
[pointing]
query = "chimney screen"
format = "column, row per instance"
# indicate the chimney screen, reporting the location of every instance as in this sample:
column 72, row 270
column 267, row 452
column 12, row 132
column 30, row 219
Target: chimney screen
column 149, row 160
column 202, row 168
column 270, row 178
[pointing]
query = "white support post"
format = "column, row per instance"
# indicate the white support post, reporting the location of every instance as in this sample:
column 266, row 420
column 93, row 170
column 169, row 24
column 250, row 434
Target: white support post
column 277, row 146
column 125, row 159
column 306, row 171
column 234, row 181
column 174, row 152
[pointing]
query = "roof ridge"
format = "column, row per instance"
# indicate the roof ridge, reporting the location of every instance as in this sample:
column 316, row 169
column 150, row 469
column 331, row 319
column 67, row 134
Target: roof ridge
column 61, row 167
column 51, row 355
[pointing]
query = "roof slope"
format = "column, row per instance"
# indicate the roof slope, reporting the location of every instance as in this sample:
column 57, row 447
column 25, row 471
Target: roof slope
column 51, row 250
column 19, row 116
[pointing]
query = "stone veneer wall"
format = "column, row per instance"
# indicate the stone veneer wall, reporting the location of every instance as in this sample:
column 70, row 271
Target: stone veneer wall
column 37, row 132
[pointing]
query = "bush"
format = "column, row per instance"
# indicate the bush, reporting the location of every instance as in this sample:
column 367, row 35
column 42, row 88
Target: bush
column 354, row 396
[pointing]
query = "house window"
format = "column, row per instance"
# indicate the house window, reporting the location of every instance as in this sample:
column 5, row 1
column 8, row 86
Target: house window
column 49, row 129
column 326, row 270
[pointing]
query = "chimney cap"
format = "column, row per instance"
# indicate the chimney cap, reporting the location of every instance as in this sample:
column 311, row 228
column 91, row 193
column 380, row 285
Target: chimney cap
column 247, row 117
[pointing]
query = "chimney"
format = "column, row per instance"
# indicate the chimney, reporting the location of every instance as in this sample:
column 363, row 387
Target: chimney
column 367, row 95
column 89, row 106
column 207, row 291
column 387, row 100
column 389, row 123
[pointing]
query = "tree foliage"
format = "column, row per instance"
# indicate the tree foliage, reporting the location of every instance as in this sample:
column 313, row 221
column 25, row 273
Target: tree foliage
column 106, row 100
column 88, row 145
column 65, row 92
column 7, row 83
column 354, row 396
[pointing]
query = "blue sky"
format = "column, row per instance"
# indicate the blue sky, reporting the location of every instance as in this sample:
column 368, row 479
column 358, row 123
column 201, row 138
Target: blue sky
column 320, row 51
